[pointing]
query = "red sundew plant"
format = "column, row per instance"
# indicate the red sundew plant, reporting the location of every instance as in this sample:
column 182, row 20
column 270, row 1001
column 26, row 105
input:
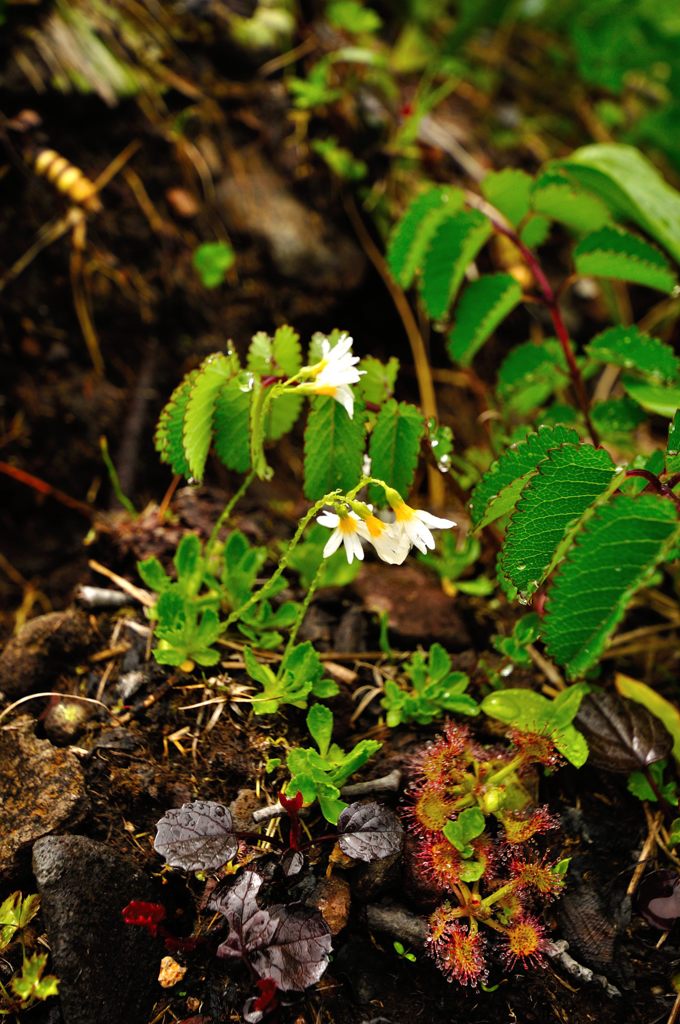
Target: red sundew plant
column 475, row 825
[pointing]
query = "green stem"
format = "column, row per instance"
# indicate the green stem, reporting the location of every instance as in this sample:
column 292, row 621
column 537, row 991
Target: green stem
column 503, row 772
column 498, row 894
column 225, row 514
column 328, row 499
column 303, row 611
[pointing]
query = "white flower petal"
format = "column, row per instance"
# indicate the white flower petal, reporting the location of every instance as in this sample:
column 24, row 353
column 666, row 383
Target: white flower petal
column 332, row 544
column 434, row 522
column 330, row 519
column 344, row 396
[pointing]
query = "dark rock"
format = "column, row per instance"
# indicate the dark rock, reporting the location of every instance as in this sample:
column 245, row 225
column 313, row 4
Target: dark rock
column 41, row 789
column 371, row 880
column 65, row 720
column 332, row 898
column 42, row 648
column 107, row 969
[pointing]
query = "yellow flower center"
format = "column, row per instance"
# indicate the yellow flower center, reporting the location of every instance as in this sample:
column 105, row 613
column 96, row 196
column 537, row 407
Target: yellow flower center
column 347, row 524
column 403, row 513
column 374, row 526
column 325, row 389
column 319, row 367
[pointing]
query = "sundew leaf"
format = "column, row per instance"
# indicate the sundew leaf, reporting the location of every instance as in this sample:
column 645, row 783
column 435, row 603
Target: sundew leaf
column 532, row 712
column 200, row 410
column 612, row 252
column 410, row 237
column 499, row 488
column 453, row 246
column 169, row 436
column 668, row 713
column 334, row 448
column 555, row 196
column 622, row 736
column 568, row 482
column 369, row 831
column 484, row 305
column 197, row 836
column 530, row 374
column 509, row 191
column 395, row 445
column 615, row 554
column 631, row 187
column 232, row 427
column 632, row 349
column 663, row 401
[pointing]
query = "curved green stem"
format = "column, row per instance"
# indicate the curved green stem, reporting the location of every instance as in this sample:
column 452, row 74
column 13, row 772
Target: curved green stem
column 225, row 514
column 303, row 611
column 328, row 499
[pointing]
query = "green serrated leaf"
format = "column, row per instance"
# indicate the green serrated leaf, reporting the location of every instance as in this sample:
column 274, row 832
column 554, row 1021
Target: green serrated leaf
column 453, row 246
column 410, row 237
column 232, row 427
column 530, row 374
column 652, row 397
column 612, row 252
column 535, row 232
column 484, row 304
column 499, row 488
column 631, row 187
column 673, row 446
column 377, row 383
column 555, row 196
column 551, row 506
column 615, row 554
column 30, row 984
column 632, row 349
column 509, row 191
column 615, row 420
column 334, row 448
column 280, row 356
column 169, row 436
column 200, row 410
column 395, row 446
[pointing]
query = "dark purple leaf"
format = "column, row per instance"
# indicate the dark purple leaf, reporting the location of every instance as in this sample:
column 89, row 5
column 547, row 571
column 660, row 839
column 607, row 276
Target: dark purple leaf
column 622, row 736
column 250, row 927
column 292, row 863
column 298, row 954
column 658, row 899
column 198, row 836
column 369, row 831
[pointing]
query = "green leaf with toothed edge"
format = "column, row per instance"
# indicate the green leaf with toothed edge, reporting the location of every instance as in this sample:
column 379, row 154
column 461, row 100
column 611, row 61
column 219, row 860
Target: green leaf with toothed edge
column 395, row 446
column 409, row 239
column 632, row 349
column 615, row 555
column 530, row 374
column 614, row 253
column 334, row 448
column 509, row 191
column 280, row 356
column 555, row 196
column 500, row 487
column 200, row 410
column 673, row 446
column 484, row 305
column 451, row 250
column 551, row 507
column 169, row 436
column 232, row 427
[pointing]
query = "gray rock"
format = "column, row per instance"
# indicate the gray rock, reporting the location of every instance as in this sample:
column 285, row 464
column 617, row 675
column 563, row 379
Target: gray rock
column 41, row 790
column 107, row 969
column 41, row 649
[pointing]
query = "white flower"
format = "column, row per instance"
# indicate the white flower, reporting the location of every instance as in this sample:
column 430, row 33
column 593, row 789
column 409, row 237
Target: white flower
column 345, row 531
column 334, row 373
column 416, row 525
column 391, row 543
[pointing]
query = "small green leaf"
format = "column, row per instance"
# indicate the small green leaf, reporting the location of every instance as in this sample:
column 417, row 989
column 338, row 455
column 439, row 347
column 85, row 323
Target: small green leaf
column 469, row 824
column 395, row 446
column 500, row 487
column 560, row 199
column 334, row 448
column 153, row 574
column 509, row 191
column 663, row 401
column 320, row 725
column 200, row 410
column 535, row 232
column 484, row 304
column 673, row 447
column 169, row 436
column 377, row 384
column 453, row 246
column 211, row 261
column 232, row 426
column 612, row 252
column 409, row 239
column 353, row 16
column 568, row 482
column 631, row 349
column 30, row 984
column 616, row 419
column 615, row 554
column 530, row 374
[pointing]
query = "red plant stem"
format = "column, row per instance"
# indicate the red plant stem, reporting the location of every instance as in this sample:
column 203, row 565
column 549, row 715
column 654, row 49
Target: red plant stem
column 661, row 488
column 550, row 299
column 42, row 487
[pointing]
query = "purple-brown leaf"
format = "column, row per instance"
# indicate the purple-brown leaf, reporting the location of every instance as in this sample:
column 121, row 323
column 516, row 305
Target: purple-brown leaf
column 369, row 831
column 197, row 836
column 250, row 926
column 622, row 735
column 658, row 898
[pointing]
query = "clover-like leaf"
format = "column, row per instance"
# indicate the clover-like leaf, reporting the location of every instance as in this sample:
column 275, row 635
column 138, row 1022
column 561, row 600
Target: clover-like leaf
column 197, row 836
column 622, row 736
column 369, row 831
